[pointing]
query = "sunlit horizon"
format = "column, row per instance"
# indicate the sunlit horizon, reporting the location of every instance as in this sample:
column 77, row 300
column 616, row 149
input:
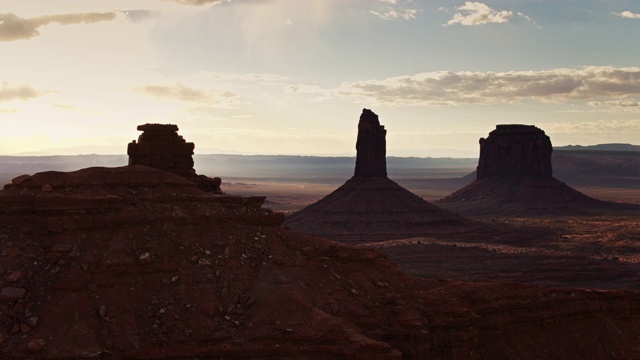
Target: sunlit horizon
column 286, row 77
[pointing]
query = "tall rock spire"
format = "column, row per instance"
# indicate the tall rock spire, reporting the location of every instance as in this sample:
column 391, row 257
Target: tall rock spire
column 371, row 146
column 370, row 206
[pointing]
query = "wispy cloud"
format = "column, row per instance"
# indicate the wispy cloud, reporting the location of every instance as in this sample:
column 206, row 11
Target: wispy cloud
column 190, row 94
column 528, row 19
column 197, row 2
column 10, row 92
column 139, row 15
column 313, row 92
column 250, row 77
column 453, row 88
column 627, row 15
column 13, row 27
column 476, row 13
column 599, row 128
column 615, row 103
column 396, row 10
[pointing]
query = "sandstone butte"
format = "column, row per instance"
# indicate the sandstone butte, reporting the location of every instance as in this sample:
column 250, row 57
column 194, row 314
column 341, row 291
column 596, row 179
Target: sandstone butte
column 515, row 177
column 370, row 206
column 139, row 263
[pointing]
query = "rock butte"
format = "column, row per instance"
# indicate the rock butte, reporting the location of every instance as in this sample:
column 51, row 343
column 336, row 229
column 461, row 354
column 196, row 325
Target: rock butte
column 159, row 146
column 370, row 206
column 514, row 177
column 139, row 263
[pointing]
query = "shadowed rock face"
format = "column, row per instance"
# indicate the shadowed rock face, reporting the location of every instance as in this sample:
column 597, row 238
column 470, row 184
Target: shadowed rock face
column 370, row 206
column 515, row 178
column 159, row 146
column 371, row 146
column 522, row 150
column 137, row 263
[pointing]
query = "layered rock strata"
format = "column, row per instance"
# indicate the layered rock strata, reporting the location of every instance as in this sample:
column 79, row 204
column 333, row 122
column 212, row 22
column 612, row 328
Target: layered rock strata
column 515, row 150
column 153, row 277
column 159, row 146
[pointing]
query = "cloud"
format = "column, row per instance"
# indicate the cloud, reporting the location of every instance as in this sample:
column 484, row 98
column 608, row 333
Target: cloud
column 392, row 14
column 139, row 15
column 190, row 94
column 313, row 92
column 598, row 127
column 476, row 13
column 627, row 15
column 250, row 77
column 200, row 2
column 395, row 11
column 527, row 18
column 13, row 27
column 17, row 92
column 615, row 103
column 454, row 88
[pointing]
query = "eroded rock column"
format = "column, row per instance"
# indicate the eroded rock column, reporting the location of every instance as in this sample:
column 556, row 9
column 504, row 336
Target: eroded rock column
column 159, row 146
column 371, row 146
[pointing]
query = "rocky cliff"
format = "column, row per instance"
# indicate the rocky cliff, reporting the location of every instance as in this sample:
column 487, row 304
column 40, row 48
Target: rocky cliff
column 137, row 263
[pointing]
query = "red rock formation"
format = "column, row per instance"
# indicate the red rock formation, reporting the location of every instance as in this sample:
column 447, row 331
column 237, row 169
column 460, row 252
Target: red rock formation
column 138, row 263
column 370, row 206
column 371, row 146
column 160, row 147
column 514, row 177
column 520, row 150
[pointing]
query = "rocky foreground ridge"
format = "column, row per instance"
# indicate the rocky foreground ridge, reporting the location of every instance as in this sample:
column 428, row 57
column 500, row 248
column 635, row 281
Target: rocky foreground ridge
column 137, row 263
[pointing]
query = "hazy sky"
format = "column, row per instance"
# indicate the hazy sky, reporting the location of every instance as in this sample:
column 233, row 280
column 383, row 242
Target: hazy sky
column 292, row 76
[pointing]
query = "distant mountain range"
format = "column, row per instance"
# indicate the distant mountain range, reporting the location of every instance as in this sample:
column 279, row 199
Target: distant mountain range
column 600, row 147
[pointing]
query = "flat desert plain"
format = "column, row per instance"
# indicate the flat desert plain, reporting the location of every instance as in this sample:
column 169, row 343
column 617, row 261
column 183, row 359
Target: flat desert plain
column 554, row 251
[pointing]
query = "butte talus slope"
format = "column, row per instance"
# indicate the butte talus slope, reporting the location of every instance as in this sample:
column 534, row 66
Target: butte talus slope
column 514, row 177
column 139, row 263
column 370, row 206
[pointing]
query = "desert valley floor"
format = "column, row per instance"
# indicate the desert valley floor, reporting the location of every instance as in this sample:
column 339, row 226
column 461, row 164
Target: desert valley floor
column 556, row 251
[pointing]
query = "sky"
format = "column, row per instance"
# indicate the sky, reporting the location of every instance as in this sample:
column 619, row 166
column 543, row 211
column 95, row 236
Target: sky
column 292, row 76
